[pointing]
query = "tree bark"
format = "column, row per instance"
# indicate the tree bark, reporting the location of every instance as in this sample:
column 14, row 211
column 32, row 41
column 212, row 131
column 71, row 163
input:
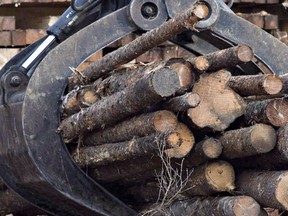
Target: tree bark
column 216, row 206
column 256, row 84
column 181, row 103
column 249, row 141
column 274, row 112
column 268, row 187
column 223, row 59
column 110, row 110
column 214, row 92
column 203, row 151
column 140, row 45
column 139, row 126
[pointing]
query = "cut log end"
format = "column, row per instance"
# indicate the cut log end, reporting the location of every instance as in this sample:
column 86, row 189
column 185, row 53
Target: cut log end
column 193, row 100
column 272, row 84
column 165, row 82
column 89, row 97
column 212, row 148
column 245, row 205
column 245, row 53
column 263, row 138
column 181, row 140
column 201, row 64
column 165, row 121
column 184, row 72
column 221, row 176
column 201, row 11
column 277, row 112
column 281, row 190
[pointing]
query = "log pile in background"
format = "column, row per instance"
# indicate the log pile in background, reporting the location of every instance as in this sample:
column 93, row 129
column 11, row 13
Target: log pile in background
column 121, row 130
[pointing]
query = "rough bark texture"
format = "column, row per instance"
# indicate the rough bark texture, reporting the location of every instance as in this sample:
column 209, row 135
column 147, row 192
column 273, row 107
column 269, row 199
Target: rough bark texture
column 214, row 93
column 256, row 84
column 210, row 178
column 249, row 141
column 181, row 140
column 113, row 152
column 139, row 126
column 216, row 206
column 140, row 45
column 274, row 112
column 203, row 151
column 146, row 92
column 268, row 188
column 223, row 59
column 181, row 103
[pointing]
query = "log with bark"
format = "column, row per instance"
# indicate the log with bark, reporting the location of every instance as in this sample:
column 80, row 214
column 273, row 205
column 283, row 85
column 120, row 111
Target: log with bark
column 273, row 112
column 217, row 206
column 268, row 188
column 219, row 105
column 222, row 59
column 132, row 100
column 257, row 139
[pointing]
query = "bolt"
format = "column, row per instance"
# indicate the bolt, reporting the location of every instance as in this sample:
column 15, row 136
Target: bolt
column 15, row 81
column 149, row 10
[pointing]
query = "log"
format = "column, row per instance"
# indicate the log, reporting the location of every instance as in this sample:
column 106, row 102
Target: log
column 181, row 140
column 222, row 59
column 122, row 78
column 147, row 91
column 203, row 151
column 214, row 92
column 12, row 203
column 273, row 112
column 181, row 103
column 256, row 84
column 244, row 142
column 284, row 79
column 176, row 144
column 156, row 122
column 216, row 206
column 268, row 188
column 141, row 44
column 210, row 178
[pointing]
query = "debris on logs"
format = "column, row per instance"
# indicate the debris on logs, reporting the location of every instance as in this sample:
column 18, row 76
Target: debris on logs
column 268, row 188
column 257, row 139
column 146, row 92
column 273, row 111
column 140, row 45
column 256, row 84
column 223, row 59
column 139, row 126
column 224, row 206
column 219, row 105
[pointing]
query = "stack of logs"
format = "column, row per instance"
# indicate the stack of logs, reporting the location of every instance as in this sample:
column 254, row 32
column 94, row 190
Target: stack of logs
column 183, row 136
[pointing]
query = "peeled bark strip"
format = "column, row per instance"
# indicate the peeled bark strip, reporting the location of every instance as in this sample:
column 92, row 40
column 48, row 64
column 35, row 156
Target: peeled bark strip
column 249, row 141
column 146, row 92
column 268, row 188
column 140, row 45
column 11, row 203
column 274, row 112
column 203, row 151
column 139, row 126
column 256, row 84
column 210, row 178
column 219, row 105
column 181, row 139
column 223, row 59
column 216, row 206
column 182, row 103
